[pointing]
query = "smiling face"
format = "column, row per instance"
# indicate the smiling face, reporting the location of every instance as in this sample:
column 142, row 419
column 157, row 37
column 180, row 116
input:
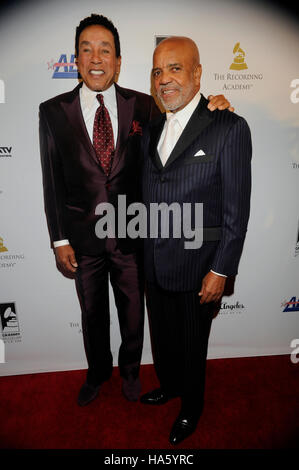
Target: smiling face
column 97, row 61
column 176, row 72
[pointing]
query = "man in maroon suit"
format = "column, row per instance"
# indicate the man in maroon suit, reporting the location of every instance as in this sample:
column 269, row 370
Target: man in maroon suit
column 90, row 143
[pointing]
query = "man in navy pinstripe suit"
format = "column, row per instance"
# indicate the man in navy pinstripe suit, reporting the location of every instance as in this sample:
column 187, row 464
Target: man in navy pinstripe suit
column 191, row 155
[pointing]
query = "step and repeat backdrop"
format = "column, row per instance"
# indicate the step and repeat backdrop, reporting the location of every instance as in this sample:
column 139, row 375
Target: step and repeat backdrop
column 249, row 52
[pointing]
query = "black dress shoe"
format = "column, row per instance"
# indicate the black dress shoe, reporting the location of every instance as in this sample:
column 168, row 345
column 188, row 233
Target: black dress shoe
column 131, row 388
column 156, row 397
column 183, row 427
column 87, row 394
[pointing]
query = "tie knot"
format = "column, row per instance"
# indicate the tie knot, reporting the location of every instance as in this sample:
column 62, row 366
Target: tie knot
column 172, row 119
column 100, row 99
column 173, row 123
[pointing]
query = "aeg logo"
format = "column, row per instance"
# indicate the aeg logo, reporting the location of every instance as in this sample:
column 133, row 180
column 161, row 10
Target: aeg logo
column 63, row 68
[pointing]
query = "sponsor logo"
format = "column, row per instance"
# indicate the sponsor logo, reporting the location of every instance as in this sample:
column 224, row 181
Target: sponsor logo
column 295, row 353
column 5, row 152
column 294, row 96
column 240, row 78
column 239, row 60
column 2, row 351
column 291, row 306
column 76, row 326
column 8, row 260
column 2, row 92
column 297, row 244
column 2, row 247
column 64, row 68
column 9, row 323
column 235, row 308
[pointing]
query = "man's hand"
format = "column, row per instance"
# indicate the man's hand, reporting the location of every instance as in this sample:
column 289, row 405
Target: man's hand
column 66, row 260
column 219, row 102
column 212, row 288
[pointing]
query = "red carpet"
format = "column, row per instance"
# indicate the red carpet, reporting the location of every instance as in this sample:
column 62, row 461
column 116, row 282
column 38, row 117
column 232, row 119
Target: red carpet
column 251, row 403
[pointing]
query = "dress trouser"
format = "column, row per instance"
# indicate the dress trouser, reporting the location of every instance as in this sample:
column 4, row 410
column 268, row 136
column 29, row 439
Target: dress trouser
column 93, row 291
column 180, row 328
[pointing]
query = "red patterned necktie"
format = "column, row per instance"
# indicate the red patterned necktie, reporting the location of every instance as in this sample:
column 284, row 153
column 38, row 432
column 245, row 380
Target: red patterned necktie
column 103, row 141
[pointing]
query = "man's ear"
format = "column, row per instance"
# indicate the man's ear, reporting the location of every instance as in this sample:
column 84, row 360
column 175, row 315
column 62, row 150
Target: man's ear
column 118, row 64
column 197, row 74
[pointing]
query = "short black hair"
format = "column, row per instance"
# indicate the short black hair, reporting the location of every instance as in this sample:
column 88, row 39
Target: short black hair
column 100, row 20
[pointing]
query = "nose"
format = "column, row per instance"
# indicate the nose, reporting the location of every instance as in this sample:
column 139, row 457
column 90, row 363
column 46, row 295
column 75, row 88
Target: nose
column 164, row 78
column 96, row 58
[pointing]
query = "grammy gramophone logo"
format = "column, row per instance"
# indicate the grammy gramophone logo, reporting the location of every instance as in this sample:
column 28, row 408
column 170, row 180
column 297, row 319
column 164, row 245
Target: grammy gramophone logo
column 238, row 77
column 239, row 59
column 2, row 247
column 9, row 323
column 8, row 259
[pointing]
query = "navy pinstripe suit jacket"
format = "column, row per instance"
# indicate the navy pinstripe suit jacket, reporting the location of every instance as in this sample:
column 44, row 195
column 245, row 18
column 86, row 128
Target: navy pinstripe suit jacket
column 220, row 179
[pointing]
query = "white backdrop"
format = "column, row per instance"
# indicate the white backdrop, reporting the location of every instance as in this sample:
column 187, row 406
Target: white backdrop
column 39, row 313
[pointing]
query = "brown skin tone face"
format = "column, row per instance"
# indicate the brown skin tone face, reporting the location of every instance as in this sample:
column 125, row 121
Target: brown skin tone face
column 176, row 72
column 97, row 61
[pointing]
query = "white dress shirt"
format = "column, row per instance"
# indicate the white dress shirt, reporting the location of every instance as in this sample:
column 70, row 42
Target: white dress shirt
column 182, row 118
column 89, row 105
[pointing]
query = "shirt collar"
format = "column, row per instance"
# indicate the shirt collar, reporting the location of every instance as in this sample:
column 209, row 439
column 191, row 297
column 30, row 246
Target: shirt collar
column 184, row 114
column 88, row 96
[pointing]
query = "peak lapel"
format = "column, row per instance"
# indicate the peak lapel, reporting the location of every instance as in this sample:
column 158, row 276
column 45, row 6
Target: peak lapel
column 156, row 129
column 200, row 119
column 72, row 109
column 125, row 110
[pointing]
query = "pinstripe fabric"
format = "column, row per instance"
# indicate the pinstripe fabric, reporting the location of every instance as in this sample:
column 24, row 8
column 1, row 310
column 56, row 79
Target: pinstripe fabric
column 221, row 180
column 180, row 329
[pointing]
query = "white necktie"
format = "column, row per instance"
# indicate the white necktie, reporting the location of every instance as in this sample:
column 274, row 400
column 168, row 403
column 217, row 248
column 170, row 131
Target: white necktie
column 170, row 138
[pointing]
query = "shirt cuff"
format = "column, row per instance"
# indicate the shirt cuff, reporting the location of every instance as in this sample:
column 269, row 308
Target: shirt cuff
column 222, row 275
column 60, row 243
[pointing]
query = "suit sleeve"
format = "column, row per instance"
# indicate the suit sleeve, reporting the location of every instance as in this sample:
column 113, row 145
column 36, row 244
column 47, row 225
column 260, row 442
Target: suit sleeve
column 53, row 180
column 235, row 164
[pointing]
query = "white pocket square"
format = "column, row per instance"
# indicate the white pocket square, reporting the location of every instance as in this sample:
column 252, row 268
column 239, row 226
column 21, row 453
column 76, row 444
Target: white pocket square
column 199, row 153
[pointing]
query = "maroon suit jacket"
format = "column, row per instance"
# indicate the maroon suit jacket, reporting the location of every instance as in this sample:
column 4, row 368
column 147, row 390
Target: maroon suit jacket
column 73, row 179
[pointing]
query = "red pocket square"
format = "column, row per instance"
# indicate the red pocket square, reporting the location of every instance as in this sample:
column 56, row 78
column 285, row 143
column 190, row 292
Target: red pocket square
column 136, row 128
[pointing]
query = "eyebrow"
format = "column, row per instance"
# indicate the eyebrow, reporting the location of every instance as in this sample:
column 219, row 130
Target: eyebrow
column 168, row 66
column 87, row 43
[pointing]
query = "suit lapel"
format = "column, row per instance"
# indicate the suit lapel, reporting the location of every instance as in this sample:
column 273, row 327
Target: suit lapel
column 200, row 119
column 72, row 109
column 125, row 110
column 156, row 129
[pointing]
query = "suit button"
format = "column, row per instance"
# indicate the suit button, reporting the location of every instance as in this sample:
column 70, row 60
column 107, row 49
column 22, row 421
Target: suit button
column 108, row 186
column 162, row 179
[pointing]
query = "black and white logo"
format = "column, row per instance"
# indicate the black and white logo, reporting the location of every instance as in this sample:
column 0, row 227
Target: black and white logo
column 5, row 152
column 9, row 322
